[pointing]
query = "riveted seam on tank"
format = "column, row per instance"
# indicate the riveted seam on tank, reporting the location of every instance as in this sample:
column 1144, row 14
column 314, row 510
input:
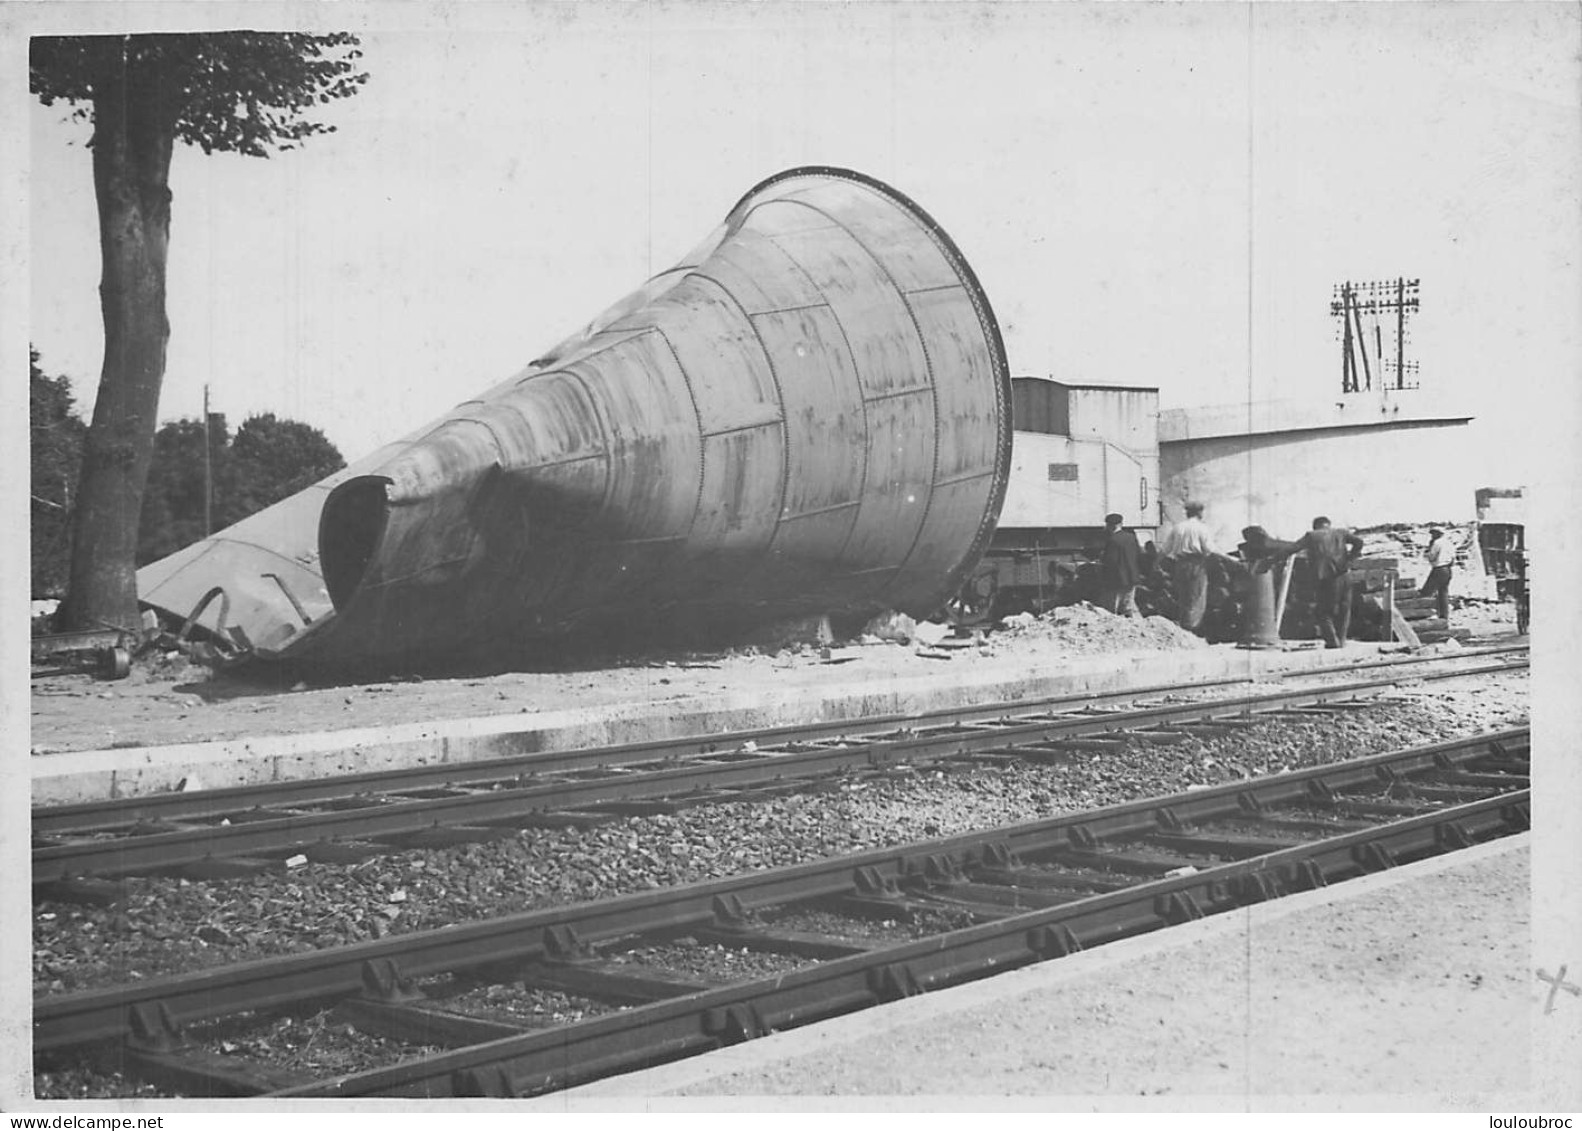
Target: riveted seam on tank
column 986, row 321
column 785, row 431
column 933, row 384
column 562, row 367
column 703, row 448
column 856, row 371
column 604, row 436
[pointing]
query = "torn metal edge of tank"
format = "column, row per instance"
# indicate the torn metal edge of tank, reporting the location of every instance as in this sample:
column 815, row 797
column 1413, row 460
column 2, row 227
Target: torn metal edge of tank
column 810, row 414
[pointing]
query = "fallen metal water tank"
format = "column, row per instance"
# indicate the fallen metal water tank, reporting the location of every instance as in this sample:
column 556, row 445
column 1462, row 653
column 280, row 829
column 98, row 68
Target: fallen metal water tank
column 811, row 413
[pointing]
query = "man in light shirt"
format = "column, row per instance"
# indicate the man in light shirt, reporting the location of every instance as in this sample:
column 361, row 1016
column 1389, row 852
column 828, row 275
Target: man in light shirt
column 1441, row 557
column 1188, row 546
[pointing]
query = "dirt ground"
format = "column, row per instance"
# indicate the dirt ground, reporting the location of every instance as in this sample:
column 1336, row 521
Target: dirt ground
column 168, row 700
column 171, row 700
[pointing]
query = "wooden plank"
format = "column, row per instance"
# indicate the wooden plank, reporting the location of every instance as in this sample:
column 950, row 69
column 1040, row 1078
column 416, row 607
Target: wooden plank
column 1403, row 631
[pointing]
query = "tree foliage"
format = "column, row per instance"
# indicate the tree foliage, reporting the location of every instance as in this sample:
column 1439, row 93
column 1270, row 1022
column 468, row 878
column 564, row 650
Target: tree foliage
column 268, row 459
column 272, row 459
column 55, row 436
column 239, row 92
column 232, row 91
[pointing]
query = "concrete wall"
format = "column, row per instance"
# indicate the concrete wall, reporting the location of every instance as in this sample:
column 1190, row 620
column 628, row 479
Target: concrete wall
column 1363, row 474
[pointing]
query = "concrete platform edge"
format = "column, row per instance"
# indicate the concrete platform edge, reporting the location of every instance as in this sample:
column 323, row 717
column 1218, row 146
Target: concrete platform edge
column 87, row 775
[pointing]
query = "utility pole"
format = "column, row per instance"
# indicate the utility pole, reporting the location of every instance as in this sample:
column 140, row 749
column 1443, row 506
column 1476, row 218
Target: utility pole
column 208, row 469
column 1393, row 296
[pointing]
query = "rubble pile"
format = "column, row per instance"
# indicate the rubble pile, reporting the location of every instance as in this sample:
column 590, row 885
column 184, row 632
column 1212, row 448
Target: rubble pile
column 1407, row 543
column 1086, row 628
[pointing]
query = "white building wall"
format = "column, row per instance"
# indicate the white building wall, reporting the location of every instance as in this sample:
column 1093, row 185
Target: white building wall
column 1358, row 476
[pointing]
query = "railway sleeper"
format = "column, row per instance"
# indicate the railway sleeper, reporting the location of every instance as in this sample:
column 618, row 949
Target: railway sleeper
column 86, row 892
column 1156, row 736
column 1314, row 710
column 343, row 851
column 663, row 806
column 1008, row 897
column 1484, row 781
column 1500, row 765
column 1083, row 745
column 1207, row 728
column 201, row 1075
column 563, row 818
column 1314, row 826
column 620, row 983
column 160, row 1052
column 256, row 814
column 1054, row 880
column 956, row 900
column 800, row 944
column 882, row 909
column 226, row 868
column 1130, row 859
column 1388, row 809
column 445, row 836
column 1429, row 791
column 423, row 1024
column 1222, row 845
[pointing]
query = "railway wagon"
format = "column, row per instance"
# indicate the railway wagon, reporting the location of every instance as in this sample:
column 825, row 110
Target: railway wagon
column 1078, row 452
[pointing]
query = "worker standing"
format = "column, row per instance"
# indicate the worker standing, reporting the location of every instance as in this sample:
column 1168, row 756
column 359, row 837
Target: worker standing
column 1330, row 551
column 1118, row 567
column 1188, row 546
column 1441, row 560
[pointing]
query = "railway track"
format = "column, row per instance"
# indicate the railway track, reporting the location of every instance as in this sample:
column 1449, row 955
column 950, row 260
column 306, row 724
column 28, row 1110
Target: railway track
column 76, row 848
column 975, row 904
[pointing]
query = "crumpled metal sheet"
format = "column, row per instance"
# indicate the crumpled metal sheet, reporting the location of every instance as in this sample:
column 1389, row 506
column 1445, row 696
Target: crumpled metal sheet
column 810, row 414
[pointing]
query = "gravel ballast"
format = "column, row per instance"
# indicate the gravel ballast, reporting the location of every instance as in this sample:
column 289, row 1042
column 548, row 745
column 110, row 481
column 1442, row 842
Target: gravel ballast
column 168, row 926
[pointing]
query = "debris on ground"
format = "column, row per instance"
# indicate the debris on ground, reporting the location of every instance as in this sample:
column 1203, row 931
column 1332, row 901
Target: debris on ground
column 1086, row 629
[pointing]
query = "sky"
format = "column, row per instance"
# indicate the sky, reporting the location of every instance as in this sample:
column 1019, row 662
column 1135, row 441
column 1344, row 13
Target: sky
column 1154, row 195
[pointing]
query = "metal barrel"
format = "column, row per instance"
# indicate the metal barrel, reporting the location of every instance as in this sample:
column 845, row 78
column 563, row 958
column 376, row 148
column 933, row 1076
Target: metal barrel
column 811, row 413
column 1259, row 628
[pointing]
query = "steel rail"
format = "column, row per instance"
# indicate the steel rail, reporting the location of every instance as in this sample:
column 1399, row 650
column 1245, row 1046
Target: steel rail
column 281, row 835
column 66, row 1019
column 537, row 1062
column 225, row 801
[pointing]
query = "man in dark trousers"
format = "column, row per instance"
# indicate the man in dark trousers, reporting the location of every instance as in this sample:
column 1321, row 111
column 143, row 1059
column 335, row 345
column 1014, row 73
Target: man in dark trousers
column 1118, row 569
column 1330, row 552
column 1441, row 560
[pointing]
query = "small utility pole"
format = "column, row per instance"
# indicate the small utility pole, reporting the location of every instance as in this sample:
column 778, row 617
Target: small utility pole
column 1376, row 299
column 208, row 469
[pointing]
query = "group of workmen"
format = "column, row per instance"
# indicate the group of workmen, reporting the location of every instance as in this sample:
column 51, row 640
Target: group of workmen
column 1188, row 546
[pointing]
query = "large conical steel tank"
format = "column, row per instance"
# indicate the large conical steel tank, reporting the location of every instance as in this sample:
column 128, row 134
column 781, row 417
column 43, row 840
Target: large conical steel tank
column 811, row 413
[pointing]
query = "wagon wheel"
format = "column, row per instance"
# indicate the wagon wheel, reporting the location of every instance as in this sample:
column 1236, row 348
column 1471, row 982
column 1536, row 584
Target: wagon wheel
column 973, row 601
column 116, row 663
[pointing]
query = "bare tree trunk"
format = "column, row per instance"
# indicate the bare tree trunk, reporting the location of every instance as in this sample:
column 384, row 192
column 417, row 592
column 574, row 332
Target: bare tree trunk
column 134, row 134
